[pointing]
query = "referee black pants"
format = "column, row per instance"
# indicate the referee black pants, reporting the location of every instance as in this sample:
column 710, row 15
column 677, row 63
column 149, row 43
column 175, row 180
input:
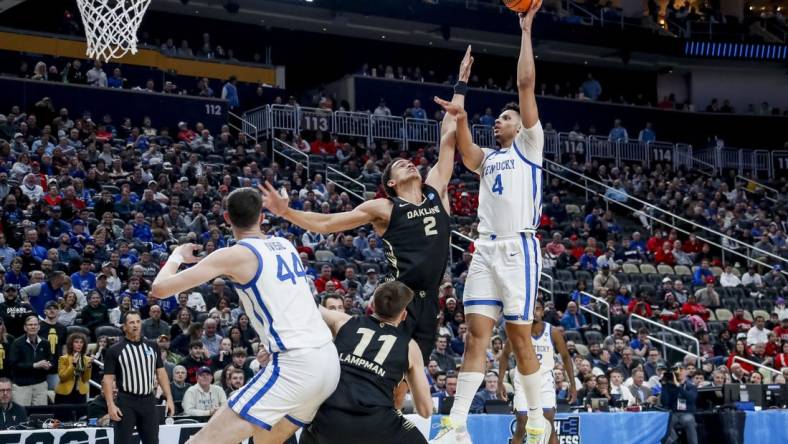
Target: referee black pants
column 139, row 411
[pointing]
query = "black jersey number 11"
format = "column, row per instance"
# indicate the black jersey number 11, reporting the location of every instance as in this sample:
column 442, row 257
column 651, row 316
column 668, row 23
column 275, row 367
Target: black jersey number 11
column 366, row 337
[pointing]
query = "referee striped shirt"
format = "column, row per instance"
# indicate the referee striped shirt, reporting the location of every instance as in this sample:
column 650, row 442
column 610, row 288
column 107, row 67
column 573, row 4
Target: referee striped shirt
column 134, row 365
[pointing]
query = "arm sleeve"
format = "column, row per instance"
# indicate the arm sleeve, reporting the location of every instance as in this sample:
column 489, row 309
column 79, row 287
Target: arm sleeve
column 16, row 360
column 155, row 347
column 530, row 141
column 65, row 369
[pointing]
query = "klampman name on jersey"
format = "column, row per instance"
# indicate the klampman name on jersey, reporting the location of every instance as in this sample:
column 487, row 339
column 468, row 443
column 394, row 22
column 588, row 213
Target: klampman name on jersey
column 362, row 363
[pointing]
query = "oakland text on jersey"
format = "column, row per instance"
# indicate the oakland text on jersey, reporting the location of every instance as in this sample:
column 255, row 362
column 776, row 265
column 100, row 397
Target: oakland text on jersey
column 362, row 363
column 498, row 166
column 421, row 212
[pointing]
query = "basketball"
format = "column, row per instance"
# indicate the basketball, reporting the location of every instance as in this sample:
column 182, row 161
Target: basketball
column 518, row 5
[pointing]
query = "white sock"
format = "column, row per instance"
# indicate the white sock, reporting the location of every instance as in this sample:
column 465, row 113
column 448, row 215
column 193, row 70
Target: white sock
column 532, row 386
column 467, row 385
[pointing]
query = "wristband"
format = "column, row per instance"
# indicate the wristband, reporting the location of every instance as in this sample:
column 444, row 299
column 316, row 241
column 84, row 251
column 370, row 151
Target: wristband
column 461, row 88
column 176, row 258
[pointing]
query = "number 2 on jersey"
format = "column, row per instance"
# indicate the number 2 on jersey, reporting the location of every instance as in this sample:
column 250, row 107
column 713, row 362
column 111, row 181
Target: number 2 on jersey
column 497, row 185
column 285, row 273
column 429, row 226
column 366, row 337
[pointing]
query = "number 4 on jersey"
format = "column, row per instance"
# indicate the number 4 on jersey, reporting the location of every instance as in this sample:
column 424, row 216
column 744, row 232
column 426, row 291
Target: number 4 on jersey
column 498, row 185
column 285, row 273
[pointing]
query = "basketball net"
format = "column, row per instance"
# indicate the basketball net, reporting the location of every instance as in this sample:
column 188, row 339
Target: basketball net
column 111, row 26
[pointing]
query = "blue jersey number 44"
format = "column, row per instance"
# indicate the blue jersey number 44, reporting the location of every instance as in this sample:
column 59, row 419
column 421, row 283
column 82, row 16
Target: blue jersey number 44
column 285, row 273
column 498, row 185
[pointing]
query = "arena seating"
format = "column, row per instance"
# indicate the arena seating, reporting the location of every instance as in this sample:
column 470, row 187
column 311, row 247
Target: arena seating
column 117, row 196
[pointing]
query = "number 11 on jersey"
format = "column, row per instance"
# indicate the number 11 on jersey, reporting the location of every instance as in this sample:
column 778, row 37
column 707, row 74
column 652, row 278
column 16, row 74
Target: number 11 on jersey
column 498, row 185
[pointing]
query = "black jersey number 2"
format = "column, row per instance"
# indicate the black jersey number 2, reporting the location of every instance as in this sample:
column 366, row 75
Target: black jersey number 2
column 366, row 337
column 429, row 226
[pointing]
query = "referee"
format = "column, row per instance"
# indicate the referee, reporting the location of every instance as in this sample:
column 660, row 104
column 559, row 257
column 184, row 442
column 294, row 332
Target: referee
column 133, row 364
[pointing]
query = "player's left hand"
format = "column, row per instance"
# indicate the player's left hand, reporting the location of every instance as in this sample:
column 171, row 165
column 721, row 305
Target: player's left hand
column 457, row 111
column 273, row 200
column 465, row 66
column 188, row 251
column 527, row 18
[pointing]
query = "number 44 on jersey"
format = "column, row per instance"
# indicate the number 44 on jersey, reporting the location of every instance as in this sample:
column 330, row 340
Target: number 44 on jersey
column 286, row 272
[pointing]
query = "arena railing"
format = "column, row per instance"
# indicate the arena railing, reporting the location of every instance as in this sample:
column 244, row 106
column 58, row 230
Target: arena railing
column 659, row 151
column 570, row 5
column 351, row 124
column 595, row 313
column 665, row 329
column 289, row 152
column 267, row 119
column 760, row 366
column 778, row 160
column 314, row 119
column 343, row 181
column 421, row 131
column 569, row 144
column 750, row 161
column 666, row 216
column 705, row 159
column 246, row 127
column 483, row 136
column 260, row 118
column 283, row 117
column 387, row 128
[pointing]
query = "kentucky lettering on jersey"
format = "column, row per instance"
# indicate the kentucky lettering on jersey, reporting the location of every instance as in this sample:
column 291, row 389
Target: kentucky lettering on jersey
column 498, row 166
column 510, row 192
column 545, row 349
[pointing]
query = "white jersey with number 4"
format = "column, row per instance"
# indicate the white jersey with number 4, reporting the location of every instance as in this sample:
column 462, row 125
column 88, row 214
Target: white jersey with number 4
column 510, row 193
column 278, row 299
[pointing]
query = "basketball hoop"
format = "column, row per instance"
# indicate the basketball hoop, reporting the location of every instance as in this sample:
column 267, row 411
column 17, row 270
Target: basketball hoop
column 111, row 26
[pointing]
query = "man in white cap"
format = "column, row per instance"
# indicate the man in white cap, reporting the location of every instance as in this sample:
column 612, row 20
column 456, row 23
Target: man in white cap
column 19, row 145
column 618, row 333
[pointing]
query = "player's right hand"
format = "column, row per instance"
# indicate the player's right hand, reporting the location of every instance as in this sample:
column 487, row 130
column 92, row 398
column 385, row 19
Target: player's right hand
column 527, row 18
column 114, row 413
column 272, row 200
column 465, row 66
